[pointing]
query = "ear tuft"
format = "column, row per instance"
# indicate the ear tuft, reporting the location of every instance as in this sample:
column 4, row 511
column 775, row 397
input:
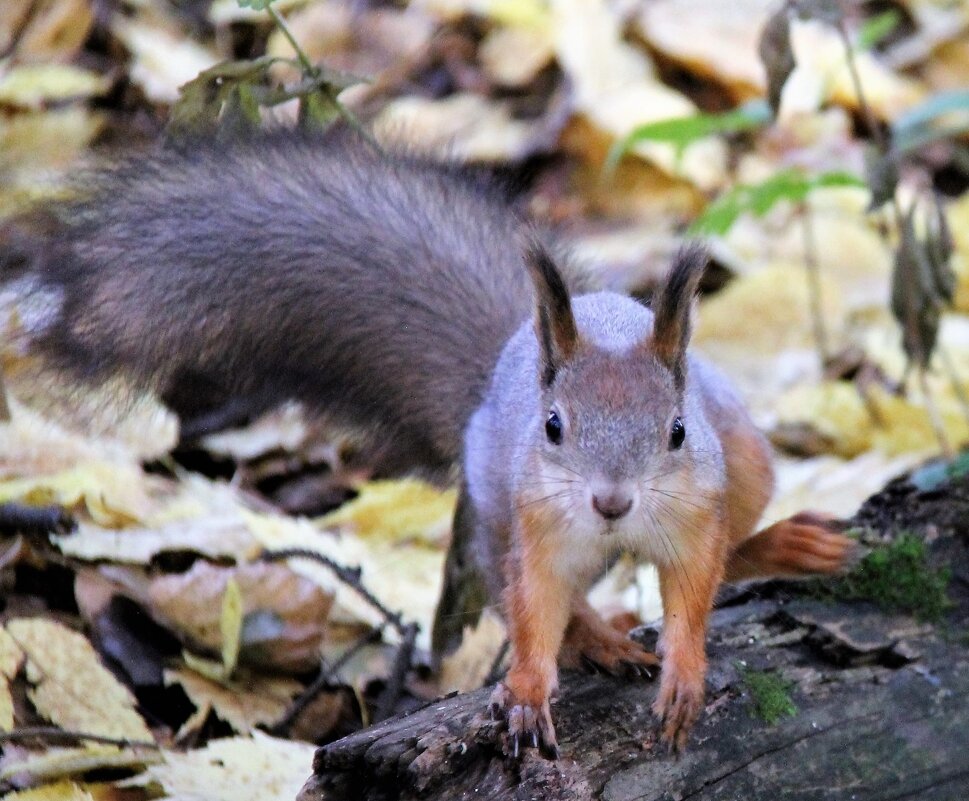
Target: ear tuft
column 673, row 305
column 554, row 322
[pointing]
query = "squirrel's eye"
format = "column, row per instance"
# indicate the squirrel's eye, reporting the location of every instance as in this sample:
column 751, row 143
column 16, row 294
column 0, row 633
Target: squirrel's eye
column 553, row 428
column 677, row 434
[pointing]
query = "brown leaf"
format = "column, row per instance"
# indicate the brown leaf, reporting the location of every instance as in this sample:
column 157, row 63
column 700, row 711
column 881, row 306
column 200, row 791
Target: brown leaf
column 285, row 615
column 881, row 175
column 777, row 56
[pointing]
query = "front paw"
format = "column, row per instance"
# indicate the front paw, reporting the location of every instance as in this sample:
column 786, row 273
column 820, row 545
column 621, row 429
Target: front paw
column 529, row 722
column 678, row 705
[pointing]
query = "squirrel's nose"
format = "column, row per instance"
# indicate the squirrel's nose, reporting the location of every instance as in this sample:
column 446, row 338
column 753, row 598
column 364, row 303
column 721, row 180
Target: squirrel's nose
column 612, row 505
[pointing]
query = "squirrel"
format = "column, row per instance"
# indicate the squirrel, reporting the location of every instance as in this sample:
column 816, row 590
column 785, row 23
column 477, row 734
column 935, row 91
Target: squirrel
column 406, row 298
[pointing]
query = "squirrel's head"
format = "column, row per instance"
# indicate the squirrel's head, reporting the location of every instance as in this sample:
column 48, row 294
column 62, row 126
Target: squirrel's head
column 616, row 440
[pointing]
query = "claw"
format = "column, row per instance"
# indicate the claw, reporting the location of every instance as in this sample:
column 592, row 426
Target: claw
column 514, row 746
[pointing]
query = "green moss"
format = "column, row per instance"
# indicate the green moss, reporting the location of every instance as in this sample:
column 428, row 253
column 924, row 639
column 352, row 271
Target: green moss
column 769, row 694
column 897, row 577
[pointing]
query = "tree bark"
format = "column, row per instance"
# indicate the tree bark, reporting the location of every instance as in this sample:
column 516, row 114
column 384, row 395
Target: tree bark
column 882, row 708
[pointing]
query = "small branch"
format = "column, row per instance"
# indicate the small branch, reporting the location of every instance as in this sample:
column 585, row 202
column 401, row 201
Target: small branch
column 284, row 29
column 54, row 735
column 814, row 285
column 384, row 707
column 4, row 405
column 308, row 69
column 324, row 680
column 866, row 111
column 36, row 521
column 348, row 575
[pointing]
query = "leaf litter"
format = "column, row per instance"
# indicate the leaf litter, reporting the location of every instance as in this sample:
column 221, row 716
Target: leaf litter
column 551, row 90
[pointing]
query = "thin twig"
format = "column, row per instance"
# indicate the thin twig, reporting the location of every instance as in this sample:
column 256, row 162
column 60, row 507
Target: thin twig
column 814, row 284
column 387, row 700
column 308, row 69
column 866, row 111
column 495, row 672
column 348, row 575
column 325, row 678
column 55, row 735
column 4, row 405
column 16, row 518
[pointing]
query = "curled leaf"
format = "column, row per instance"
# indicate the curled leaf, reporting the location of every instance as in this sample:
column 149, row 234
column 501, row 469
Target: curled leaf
column 777, row 55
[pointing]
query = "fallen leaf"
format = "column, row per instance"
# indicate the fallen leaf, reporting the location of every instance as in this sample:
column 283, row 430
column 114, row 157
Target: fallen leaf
column 59, row 791
column 70, row 686
column 250, row 700
column 32, row 85
column 468, row 667
column 260, row 768
column 281, row 616
column 55, row 763
column 398, row 511
column 11, row 658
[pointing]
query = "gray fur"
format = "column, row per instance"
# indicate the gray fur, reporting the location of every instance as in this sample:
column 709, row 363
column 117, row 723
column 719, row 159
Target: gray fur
column 379, row 288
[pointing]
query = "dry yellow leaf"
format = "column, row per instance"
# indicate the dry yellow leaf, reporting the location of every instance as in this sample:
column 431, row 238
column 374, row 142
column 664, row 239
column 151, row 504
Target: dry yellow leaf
column 281, row 616
column 397, row 511
column 470, row 127
column 220, row 535
column 162, row 60
column 837, row 411
column 230, row 625
column 822, row 75
column 714, row 39
column 112, row 494
column 55, row 763
column 404, row 577
column 261, row 768
column 249, row 701
column 832, row 485
column 59, row 791
column 615, row 87
column 767, row 311
column 467, row 668
column 958, row 216
column 71, row 688
column 514, row 56
column 11, row 658
column 52, row 30
column 33, row 85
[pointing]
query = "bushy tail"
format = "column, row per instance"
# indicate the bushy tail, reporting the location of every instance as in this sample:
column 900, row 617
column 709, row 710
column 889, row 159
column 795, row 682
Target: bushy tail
column 381, row 289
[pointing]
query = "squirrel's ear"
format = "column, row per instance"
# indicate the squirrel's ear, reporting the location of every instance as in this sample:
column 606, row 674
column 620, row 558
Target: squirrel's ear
column 672, row 306
column 554, row 323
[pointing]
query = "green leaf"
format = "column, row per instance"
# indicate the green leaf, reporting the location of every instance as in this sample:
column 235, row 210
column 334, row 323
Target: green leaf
column 204, row 99
column 758, row 199
column 682, row 131
column 877, row 28
column 256, row 5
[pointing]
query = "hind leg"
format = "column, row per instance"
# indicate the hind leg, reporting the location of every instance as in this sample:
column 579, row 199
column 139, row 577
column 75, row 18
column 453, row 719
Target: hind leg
column 593, row 644
column 803, row 545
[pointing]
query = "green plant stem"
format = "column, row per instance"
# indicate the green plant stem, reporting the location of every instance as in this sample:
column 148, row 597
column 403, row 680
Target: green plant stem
column 866, row 112
column 284, row 29
column 308, row 69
